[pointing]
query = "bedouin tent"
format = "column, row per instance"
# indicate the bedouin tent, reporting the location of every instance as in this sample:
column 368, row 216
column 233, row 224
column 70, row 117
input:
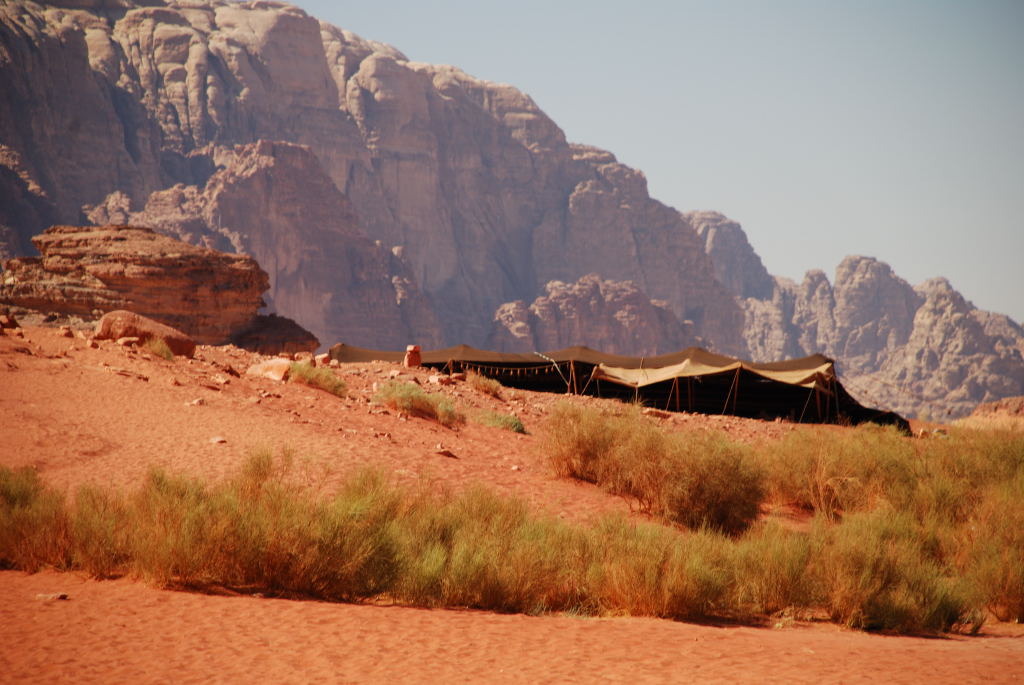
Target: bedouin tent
column 693, row 379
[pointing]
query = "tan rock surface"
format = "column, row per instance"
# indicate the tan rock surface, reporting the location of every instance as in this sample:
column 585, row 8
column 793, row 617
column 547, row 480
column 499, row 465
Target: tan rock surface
column 614, row 316
column 84, row 270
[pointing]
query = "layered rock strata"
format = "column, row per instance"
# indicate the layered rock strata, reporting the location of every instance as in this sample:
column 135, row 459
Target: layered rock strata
column 87, row 271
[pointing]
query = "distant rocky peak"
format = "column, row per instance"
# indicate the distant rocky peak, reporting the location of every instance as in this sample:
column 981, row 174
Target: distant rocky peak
column 737, row 266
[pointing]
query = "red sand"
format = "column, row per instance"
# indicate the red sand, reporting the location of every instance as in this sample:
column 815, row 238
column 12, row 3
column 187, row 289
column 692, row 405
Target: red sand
column 83, row 415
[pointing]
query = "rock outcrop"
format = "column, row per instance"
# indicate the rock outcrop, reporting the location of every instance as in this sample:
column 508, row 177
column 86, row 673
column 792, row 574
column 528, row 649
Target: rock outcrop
column 614, row 316
column 86, row 270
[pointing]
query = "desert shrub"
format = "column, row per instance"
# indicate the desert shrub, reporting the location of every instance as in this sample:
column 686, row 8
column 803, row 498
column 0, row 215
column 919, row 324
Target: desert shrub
column 832, row 471
column 647, row 569
column 158, row 347
column 873, row 572
column 995, row 549
column 477, row 549
column 695, row 479
column 482, row 383
column 770, row 570
column 99, row 532
column 317, row 376
column 509, row 422
column 33, row 522
column 411, row 398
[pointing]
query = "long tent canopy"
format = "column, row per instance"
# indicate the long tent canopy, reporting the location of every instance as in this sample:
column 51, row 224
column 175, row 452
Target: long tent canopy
column 693, row 379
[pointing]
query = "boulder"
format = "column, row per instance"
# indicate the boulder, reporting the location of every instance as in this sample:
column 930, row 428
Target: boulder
column 275, row 369
column 121, row 324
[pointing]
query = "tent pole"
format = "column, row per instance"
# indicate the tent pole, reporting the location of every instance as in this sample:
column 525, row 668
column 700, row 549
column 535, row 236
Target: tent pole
column 814, row 391
column 735, row 381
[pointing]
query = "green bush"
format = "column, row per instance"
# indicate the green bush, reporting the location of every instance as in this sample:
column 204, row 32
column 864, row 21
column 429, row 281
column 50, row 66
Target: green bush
column 482, row 383
column 509, row 422
column 874, row 573
column 159, row 347
column 33, row 522
column 770, row 570
column 318, row 377
column 995, row 549
column 694, row 478
column 411, row 398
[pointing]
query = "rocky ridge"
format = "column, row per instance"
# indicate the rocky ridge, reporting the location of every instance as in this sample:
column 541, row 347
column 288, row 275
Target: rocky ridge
column 392, row 201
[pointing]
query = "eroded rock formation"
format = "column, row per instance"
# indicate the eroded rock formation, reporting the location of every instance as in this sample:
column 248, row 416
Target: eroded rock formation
column 614, row 316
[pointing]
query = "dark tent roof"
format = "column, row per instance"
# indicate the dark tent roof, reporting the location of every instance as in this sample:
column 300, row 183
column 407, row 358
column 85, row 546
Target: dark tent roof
column 804, row 389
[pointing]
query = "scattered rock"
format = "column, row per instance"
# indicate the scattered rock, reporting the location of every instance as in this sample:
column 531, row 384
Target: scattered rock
column 65, row 332
column 52, row 596
column 128, row 341
column 446, row 453
column 120, row 324
column 275, row 369
column 218, row 440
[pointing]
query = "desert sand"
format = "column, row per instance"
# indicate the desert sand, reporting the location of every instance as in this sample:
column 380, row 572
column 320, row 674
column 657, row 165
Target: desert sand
column 106, row 415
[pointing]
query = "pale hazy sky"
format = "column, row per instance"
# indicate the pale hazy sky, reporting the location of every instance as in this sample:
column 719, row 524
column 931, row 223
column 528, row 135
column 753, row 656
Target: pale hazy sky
column 893, row 128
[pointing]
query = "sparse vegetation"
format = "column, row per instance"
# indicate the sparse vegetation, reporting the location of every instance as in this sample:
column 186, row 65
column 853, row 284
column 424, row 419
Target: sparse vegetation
column 158, row 347
column 318, row 377
column 930, row 551
column 482, row 383
column 696, row 479
column 411, row 398
column 509, row 422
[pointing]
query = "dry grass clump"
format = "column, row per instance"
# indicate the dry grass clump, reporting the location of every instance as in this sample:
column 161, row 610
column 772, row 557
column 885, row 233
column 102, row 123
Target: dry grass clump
column 318, row 377
column 482, row 383
column 411, row 398
column 158, row 347
column 696, row 479
column 509, row 422
column 33, row 522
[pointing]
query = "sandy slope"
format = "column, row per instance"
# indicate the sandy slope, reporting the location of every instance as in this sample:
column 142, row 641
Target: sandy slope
column 105, row 415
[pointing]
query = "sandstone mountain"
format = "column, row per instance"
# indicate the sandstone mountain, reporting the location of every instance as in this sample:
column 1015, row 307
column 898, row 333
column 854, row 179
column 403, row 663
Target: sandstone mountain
column 393, row 202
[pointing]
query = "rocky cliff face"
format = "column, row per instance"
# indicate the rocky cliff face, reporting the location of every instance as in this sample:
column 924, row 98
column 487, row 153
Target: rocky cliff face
column 393, row 202
column 273, row 201
column 614, row 316
column 86, row 271
column 478, row 187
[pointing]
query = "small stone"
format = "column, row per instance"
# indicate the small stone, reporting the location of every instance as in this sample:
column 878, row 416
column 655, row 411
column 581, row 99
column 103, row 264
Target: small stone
column 218, row 440
column 197, row 402
column 51, row 596
column 128, row 341
column 92, row 344
column 446, row 453
column 65, row 332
